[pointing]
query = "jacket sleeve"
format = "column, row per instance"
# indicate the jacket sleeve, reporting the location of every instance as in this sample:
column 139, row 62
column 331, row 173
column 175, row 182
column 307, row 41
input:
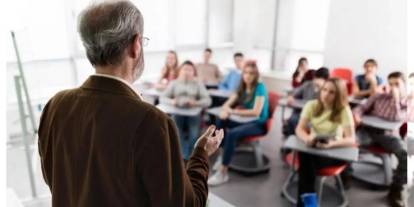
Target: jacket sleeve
column 45, row 145
column 161, row 167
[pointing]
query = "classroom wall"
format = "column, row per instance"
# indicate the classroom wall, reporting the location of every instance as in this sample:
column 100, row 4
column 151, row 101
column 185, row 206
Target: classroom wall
column 358, row 30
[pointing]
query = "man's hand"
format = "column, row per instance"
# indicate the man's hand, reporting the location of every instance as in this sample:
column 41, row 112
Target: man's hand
column 290, row 100
column 209, row 142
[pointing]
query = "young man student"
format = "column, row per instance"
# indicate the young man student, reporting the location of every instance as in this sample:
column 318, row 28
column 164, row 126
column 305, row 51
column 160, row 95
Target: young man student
column 232, row 80
column 369, row 83
column 390, row 105
column 208, row 73
column 307, row 91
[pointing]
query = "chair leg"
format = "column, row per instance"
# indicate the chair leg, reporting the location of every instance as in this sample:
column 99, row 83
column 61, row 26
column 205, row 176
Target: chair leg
column 285, row 189
column 258, row 154
column 387, row 166
column 320, row 189
column 342, row 191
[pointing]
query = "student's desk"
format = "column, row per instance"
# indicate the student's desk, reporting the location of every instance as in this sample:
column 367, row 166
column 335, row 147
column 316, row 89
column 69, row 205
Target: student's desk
column 147, row 90
column 240, row 119
column 193, row 111
column 370, row 169
column 380, row 123
column 220, row 93
column 215, row 201
column 356, row 101
column 348, row 154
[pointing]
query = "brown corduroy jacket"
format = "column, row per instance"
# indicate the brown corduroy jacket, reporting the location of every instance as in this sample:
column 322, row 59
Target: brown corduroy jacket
column 101, row 145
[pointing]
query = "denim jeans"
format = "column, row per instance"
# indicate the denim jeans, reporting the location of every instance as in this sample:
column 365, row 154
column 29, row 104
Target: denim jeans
column 188, row 130
column 234, row 132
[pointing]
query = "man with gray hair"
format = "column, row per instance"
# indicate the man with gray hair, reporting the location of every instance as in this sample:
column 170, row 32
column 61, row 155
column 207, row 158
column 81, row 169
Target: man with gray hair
column 101, row 144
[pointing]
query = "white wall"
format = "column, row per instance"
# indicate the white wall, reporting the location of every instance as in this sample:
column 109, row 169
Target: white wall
column 362, row 29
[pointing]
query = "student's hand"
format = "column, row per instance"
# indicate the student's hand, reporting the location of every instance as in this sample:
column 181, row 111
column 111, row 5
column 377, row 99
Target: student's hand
column 327, row 145
column 226, row 108
column 224, row 114
column 357, row 119
column 310, row 141
column 395, row 93
column 210, row 140
column 192, row 103
column 174, row 102
column 290, row 100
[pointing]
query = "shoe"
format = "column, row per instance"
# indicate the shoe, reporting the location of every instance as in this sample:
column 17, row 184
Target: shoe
column 395, row 198
column 217, row 164
column 218, row 178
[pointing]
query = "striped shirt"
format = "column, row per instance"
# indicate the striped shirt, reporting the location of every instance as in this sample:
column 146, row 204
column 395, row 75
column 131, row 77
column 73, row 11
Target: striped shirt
column 384, row 106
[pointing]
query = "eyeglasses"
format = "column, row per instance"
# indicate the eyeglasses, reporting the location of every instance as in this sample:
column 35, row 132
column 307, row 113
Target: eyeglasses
column 145, row 41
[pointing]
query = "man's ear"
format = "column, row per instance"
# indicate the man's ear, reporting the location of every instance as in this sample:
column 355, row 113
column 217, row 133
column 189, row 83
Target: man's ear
column 135, row 48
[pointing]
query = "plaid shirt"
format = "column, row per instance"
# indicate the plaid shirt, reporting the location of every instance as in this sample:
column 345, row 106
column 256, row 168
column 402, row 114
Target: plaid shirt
column 384, row 106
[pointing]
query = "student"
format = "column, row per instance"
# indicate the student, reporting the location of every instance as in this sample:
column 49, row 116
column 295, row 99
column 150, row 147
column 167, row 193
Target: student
column 208, row 73
column 232, row 80
column 391, row 106
column 251, row 99
column 410, row 100
column 307, row 91
column 169, row 71
column 331, row 115
column 300, row 72
column 186, row 91
column 369, row 83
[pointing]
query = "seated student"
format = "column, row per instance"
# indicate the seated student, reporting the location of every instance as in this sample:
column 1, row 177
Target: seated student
column 208, row 73
column 300, row 72
column 330, row 115
column 410, row 100
column 169, row 71
column 251, row 99
column 369, row 83
column 307, row 91
column 232, row 80
column 392, row 106
column 186, row 91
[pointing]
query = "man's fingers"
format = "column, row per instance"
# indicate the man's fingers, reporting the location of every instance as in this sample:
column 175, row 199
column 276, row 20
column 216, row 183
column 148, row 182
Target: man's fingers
column 209, row 131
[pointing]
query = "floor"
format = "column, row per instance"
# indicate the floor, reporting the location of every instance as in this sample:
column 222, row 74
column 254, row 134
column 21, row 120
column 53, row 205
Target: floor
column 262, row 190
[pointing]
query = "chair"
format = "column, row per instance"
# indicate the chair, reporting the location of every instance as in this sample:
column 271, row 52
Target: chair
column 249, row 158
column 374, row 172
column 323, row 174
column 344, row 74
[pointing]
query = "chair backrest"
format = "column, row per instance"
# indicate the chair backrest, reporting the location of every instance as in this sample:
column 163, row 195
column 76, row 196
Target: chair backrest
column 344, row 74
column 273, row 102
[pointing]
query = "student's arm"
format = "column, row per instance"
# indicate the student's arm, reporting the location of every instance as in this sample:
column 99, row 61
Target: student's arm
column 167, row 97
column 301, row 130
column 364, row 108
column 163, row 72
column 205, row 99
column 161, row 169
column 298, row 92
column 224, row 84
column 230, row 101
column 255, row 111
column 373, row 86
column 219, row 76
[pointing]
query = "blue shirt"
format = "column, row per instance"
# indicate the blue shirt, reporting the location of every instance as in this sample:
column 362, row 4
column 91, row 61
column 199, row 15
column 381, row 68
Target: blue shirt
column 231, row 81
column 260, row 91
column 363, row 84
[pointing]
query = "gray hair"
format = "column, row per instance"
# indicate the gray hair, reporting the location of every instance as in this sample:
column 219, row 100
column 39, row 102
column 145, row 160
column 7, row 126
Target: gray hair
column 107, row 29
